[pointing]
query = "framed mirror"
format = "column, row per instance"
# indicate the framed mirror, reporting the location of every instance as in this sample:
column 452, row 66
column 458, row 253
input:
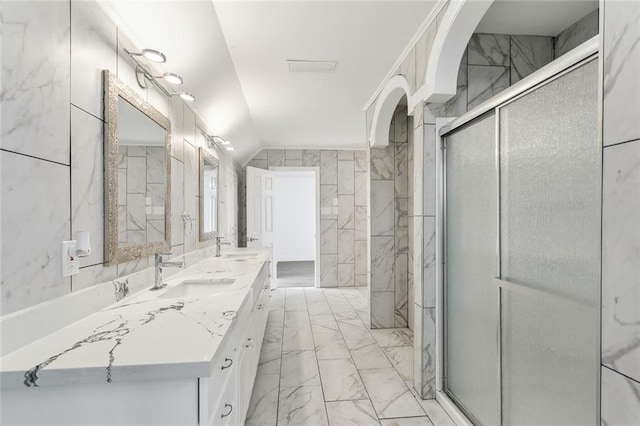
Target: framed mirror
column 209, row 183
column 137, row 174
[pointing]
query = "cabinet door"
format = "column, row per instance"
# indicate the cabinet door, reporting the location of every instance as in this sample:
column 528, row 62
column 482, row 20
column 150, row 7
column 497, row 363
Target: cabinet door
column 244, row 383
column 228, row 411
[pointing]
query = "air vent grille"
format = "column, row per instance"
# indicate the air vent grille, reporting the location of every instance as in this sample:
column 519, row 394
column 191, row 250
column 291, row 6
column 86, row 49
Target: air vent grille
column 311, row 66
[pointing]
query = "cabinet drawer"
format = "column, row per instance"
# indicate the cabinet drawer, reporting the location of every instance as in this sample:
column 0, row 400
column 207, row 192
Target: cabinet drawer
column 212, row 388
column 226, row 411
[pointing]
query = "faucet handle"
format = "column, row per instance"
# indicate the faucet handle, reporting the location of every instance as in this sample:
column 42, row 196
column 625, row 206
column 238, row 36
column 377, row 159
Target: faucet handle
column 158, row 256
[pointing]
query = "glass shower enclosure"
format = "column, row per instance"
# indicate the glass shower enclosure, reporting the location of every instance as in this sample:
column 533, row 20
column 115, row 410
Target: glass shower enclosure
column 522, row 286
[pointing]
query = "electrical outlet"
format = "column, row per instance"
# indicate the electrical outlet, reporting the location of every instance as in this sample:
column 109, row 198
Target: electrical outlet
column 70, row 264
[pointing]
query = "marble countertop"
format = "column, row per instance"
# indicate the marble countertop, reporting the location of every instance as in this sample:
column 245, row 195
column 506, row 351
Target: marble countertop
column 143, row 336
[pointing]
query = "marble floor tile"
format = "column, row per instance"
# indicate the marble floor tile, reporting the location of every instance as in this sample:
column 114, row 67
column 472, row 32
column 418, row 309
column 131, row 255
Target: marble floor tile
column 346, row 315
column 407, row 421
column 270, row 356
column 335, row 368
column 367, row 354
column 401, row 358
column 295, row 300
column 299, row 368
column 277, row 297
column 435, row 412
column 330, row 346
column 393, row 337
column 276, row 316
column 365, row 317
column 319, row 308
column 353, row 330
column 273, row 333
column 301, row 405
column 389, row 394
column 263, row 407
column 351, row 413
column 297, row 332
column 323, row 324
column 340, row 380
column 338, row 308
column 314, row 295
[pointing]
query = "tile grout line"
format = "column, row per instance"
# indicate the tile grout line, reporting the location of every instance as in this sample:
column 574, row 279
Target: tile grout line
column 284, row 311
column 315, row 354
column 350, row 356
column 392, row 365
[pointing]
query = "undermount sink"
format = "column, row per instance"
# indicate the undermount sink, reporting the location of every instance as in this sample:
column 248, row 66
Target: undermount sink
column 199, row 288
column 241, row 255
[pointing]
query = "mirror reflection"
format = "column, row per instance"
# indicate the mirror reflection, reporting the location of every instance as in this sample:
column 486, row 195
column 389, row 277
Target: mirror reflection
column 209, row 176
column 141, row 177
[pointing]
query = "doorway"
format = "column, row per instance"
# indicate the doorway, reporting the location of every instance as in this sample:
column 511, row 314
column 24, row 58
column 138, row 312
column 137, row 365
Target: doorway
column 283, row 214
column 295, row 206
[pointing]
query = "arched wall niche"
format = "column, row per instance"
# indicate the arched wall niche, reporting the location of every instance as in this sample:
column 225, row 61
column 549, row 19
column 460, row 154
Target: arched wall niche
column 395, row 89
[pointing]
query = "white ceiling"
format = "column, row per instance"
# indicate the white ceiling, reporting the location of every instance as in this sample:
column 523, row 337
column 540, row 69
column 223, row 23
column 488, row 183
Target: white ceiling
column 365, row 38
column 534, row 17
column 232, row 56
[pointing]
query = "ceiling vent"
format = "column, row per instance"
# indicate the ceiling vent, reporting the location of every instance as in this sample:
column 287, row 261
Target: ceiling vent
column 311, row 66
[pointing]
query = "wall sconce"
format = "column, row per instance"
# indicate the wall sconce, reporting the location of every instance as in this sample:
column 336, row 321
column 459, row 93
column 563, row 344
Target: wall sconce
column 143, row 75
column 219, row 142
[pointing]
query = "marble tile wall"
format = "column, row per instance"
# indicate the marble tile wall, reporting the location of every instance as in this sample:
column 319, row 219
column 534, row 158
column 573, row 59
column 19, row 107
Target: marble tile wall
column 490, row 64
column 51, row 149
column 423, row 219
column 389, row 229
column 576, row 34
column 620, row 395
column 343, row 208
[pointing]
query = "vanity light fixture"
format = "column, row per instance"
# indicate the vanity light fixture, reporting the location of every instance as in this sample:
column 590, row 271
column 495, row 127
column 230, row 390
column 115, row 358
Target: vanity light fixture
column 143, row 75
column 150, row 54
column 219, row 143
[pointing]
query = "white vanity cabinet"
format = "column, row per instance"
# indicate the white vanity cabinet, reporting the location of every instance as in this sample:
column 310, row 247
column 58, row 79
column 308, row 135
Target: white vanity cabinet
column 172, row 397
column 225, row 395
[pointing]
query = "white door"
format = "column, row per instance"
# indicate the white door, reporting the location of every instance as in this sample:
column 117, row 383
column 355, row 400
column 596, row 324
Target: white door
column 259, row 207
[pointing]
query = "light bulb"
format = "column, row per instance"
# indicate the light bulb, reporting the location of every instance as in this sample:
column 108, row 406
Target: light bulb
column 154, row 55
column 172, row 78
column 229, row 148
column 187, row 97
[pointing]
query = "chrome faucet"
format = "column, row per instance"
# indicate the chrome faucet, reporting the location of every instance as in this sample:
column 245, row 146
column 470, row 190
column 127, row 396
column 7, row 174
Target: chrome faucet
column 159, row 264
column 219, row 243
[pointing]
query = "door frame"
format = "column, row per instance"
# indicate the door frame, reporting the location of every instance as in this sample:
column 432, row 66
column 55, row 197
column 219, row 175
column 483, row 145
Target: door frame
column 316, row 177
column 555, row 69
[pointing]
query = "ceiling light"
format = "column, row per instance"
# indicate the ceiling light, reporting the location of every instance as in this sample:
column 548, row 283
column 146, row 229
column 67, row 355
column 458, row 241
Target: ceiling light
column 187, row 96
column 172, row 78
column 154, row 55
column 229, row 148
column 225, row 142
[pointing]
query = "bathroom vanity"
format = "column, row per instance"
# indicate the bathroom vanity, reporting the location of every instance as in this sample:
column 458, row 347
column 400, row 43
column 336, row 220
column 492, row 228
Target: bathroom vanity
column 185, row 354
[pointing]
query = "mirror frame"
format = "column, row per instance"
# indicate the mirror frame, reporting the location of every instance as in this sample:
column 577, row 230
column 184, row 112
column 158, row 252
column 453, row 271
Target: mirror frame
column 114, row 88
column 203, row 155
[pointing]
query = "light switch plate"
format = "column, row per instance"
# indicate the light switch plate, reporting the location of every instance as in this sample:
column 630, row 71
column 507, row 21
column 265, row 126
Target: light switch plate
column 70, row 264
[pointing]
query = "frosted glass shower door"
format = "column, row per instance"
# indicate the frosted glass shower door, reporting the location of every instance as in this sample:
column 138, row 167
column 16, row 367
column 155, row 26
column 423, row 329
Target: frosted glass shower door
column 472, row 315
column 550, row 169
